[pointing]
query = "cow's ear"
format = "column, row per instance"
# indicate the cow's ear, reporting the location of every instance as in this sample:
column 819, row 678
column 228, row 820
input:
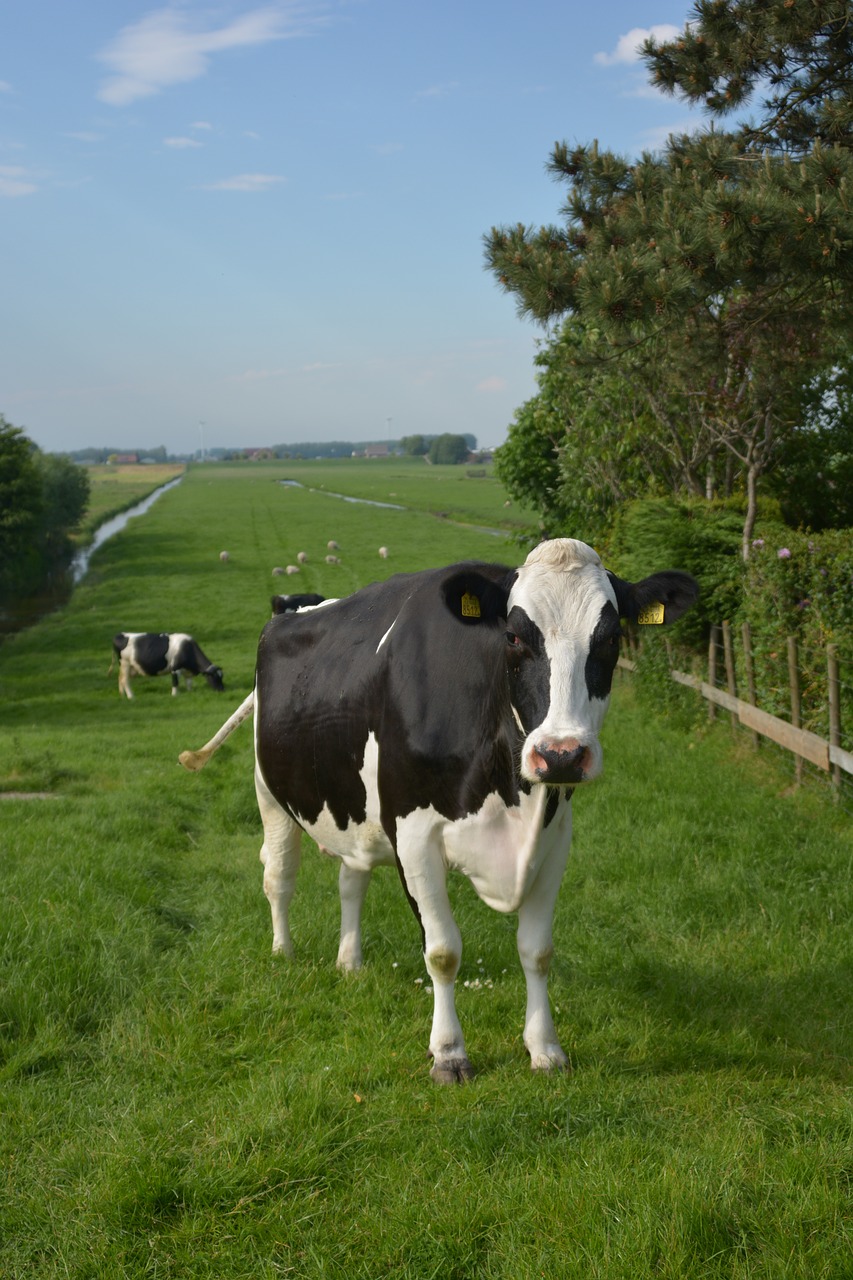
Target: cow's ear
column 661, row 598
column 475, row 598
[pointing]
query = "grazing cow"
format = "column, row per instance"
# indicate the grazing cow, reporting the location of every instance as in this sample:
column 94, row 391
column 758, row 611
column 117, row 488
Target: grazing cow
column 290, row 604
column 148, row 653
column 442, row 719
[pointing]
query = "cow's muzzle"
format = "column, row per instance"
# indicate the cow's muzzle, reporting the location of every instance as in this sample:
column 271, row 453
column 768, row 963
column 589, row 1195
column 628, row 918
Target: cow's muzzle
column 559, row 763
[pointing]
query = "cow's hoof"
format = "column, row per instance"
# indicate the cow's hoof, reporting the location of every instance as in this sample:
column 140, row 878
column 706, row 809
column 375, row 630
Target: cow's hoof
column 452, row 1071
column 555, row 1061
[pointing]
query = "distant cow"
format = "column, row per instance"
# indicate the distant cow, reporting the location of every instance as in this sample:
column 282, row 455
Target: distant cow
column 441, row 720
column 150, row 653
column 290, row 604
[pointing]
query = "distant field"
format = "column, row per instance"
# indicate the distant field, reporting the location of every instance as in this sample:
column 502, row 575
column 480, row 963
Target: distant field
column 458, row 492
column 176, row 1104
column 115, row 488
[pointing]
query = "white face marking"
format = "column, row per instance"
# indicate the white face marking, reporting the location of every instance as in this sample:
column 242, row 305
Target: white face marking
column 563, row 587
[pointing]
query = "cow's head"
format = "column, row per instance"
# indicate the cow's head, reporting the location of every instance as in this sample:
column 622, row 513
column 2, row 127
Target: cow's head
column 213, row 675
column 562, row 621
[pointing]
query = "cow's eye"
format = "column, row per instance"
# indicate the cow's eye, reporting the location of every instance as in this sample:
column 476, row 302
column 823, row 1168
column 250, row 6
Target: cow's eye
column 513, row 640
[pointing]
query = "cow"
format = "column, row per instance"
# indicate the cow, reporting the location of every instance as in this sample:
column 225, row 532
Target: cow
column 149, row 653
column 290, row 604
column 442, row 719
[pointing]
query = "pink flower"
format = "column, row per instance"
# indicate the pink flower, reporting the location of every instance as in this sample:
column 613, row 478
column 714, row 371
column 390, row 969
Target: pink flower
column 783, row 553
column 759, row 542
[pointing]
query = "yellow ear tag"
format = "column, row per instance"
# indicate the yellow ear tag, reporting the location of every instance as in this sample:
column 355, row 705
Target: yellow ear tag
column 651, row 615
column 470, row 606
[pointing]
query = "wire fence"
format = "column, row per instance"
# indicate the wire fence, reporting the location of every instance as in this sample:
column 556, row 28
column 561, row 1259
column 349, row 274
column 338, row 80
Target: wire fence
column 789, row 698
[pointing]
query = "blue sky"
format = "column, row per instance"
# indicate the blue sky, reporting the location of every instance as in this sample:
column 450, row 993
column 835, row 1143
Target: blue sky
column 268, row 219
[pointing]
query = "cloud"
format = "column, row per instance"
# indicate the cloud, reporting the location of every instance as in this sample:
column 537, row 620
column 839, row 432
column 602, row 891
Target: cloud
column 628, row 46
column 245, row 182
column 82, row 135
column 181, row 143
column 5, row 87
column 15, row 182
column 490, row 385
column 438, row 90
column 201, row 124
column 166, row 48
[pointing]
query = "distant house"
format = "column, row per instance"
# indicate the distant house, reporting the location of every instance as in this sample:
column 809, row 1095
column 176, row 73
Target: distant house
column 258, row 455
column 376, row 451
column 124, row 459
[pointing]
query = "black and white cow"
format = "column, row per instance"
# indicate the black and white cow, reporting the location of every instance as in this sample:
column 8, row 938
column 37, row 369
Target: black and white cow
column 441, row 720
column 151, row 653
column 290, row 604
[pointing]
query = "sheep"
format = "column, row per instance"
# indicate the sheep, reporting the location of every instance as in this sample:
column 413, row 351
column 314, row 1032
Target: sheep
column 292, row 568
column 383, row 553
column 224, row 557
column 302, row 557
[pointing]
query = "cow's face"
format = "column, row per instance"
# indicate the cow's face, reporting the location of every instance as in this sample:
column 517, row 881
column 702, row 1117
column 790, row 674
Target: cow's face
column 213, row 675
column 562, row 644
column 563, row 631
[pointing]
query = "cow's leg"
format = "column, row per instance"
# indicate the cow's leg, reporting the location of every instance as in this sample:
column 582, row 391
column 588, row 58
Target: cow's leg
column 280, row 853
column 175, row 678
column 425, row 881
column 535, row 948
column 188, row 681
column 352, row 885
column 124, row 679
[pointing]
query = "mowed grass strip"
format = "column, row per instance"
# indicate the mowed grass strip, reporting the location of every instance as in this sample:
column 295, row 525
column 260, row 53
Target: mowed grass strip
column 178, row 1104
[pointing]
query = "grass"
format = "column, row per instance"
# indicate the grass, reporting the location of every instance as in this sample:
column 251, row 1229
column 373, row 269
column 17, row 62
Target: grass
column 178, row 1104
column 114, row 488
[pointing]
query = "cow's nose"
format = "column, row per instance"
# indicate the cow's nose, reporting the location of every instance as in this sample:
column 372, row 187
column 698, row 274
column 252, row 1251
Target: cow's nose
column 567, row 762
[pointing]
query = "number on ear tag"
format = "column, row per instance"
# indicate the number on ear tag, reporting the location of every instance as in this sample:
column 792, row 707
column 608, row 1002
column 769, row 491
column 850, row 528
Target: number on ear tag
column 470, row 606
column 651, row 615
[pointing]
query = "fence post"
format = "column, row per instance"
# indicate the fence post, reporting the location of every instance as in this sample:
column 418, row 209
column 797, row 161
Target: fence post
column 712, row 666
column 794, row 682
column 731, row 682
column 834, row 686
column 746, row 632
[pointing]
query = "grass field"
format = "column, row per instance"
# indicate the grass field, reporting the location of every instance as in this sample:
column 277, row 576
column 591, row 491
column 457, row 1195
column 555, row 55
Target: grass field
column 114, row 488
column 175, row 1103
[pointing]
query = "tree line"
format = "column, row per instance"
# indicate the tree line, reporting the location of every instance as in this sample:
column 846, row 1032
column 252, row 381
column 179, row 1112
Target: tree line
column 43, row 499
column 697, row 300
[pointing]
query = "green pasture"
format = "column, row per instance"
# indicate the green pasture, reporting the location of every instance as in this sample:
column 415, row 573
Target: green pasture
column 472, row 494
column 177, row 1104
column 114, row 488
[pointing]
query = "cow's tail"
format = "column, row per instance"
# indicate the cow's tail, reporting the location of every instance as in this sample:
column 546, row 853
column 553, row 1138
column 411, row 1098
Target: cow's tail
column 195, row 760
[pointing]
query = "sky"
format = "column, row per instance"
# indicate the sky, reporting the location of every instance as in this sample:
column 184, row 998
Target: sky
column 231, row 225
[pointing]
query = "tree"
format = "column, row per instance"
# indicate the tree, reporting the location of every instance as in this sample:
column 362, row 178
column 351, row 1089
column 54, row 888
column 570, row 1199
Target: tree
column 20, row 511
column 721, row 260
column 43, row 498
column 447, row 449
column 414, row 446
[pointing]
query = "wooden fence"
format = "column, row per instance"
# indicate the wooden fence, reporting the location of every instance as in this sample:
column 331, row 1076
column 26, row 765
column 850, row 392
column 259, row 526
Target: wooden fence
column 720, row 690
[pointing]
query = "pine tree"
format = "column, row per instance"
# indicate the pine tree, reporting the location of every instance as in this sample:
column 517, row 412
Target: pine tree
column 727, row 257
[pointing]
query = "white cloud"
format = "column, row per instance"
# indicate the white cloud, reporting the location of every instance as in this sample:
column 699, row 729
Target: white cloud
column 181, row 143
column 489, row 385
column 245, row 182
column 82, row 135
column 438, row 90
column 15, row 182
column 5, row 87
column 166, row 48
column 628, row 46
column 201, row 124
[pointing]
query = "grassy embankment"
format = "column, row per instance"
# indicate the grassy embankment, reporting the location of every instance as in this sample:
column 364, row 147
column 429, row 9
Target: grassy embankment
column 115, row 488
column 177, row 1104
